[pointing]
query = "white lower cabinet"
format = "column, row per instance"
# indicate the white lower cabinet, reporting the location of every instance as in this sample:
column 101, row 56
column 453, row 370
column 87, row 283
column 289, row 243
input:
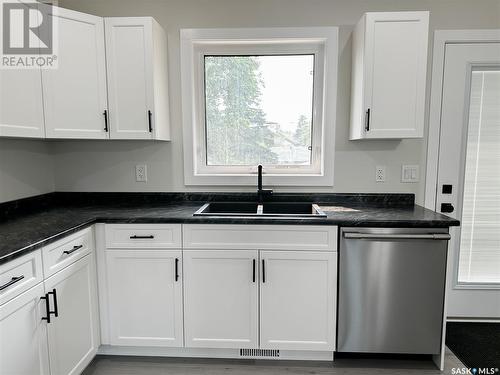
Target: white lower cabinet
column 145, row 297
column 297, row 300
column 52, row 328
column 209, row 287
column 221, row 298
column 73, row 334
column 23, row 335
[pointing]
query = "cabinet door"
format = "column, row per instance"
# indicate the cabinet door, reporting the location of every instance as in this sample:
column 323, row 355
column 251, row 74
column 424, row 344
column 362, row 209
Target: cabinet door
column 297, row 300
column 145, row 297
column 21, row 106
column 395, row 71
column 23, row 335
column 74, row 333
column 221, row 298
column 75, row 93
column 129, row 52
column 21, row 109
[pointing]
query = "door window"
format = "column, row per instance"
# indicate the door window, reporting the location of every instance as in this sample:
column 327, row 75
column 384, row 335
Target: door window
column 479, row 260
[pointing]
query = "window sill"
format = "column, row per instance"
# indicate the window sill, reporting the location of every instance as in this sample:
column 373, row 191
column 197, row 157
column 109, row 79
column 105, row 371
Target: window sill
column 268, row 180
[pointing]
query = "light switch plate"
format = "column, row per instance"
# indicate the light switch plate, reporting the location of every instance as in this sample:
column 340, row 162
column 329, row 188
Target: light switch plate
column 409, row 173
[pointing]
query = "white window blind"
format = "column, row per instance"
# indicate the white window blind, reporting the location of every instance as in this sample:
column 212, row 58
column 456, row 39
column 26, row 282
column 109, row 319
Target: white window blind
column 480, row 233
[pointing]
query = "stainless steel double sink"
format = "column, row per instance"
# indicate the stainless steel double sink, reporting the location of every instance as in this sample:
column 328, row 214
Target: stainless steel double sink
column 249, row 209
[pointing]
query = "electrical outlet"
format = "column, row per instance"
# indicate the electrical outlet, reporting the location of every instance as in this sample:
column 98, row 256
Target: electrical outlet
column 409, row 173
column 141, row 173
column 380, row 174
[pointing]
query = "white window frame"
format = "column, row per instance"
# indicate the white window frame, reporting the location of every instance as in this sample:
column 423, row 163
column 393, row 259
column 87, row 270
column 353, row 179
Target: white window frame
column 197, row 43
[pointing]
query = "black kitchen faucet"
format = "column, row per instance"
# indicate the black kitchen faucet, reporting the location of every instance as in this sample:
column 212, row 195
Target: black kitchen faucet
column 261, row 193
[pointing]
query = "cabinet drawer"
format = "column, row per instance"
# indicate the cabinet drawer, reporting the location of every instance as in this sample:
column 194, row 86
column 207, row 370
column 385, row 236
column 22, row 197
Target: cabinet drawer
column 62, row 253
column 19, row 275
column 278, row 237
column 123, row 236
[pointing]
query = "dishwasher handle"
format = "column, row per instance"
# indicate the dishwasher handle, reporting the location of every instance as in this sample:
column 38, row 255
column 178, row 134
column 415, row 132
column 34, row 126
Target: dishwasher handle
column 402, row 236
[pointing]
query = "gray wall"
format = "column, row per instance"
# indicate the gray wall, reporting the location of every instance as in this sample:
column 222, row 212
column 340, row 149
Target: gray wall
column 109, row 166
column 26, row 168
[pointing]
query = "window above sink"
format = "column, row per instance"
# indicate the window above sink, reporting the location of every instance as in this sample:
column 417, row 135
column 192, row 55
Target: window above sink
column 258, row 96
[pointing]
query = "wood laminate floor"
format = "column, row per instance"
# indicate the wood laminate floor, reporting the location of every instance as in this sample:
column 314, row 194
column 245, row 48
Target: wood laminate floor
column 118, row 365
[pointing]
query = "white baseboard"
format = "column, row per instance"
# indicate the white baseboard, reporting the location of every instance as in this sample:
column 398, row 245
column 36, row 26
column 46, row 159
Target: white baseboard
column 299, row 355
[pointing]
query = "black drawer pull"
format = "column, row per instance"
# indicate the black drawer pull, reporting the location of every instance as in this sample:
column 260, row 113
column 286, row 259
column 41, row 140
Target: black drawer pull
column 75, row 248
column 105, row 114
column 56, row 310
column 253, row 270
column 47, row 308
column 367, row 123
column 263, row 271
column 176, row 269
column 47, row 305
column 135, row 237
column 150, row 115
column 12, row 282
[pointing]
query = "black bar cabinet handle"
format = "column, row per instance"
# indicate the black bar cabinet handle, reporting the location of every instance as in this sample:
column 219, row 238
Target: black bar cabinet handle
column 47, row 308
column 105, row 114
column 150, row 115
column 75, row 248
column 56, row 310
column 135, row 237
column 11, row 282
column 367, row 125
column 176, row 269
column 253, row 274
column 263, row 271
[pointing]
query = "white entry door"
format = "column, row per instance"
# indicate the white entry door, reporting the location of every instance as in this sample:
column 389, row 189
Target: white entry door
column 468, row 179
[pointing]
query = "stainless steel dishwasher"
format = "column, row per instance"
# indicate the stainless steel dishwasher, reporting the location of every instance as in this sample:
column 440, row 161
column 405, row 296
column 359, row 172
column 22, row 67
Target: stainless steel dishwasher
column 391, row 290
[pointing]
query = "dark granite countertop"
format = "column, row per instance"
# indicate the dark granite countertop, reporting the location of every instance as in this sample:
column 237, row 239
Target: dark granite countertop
column 26, row 225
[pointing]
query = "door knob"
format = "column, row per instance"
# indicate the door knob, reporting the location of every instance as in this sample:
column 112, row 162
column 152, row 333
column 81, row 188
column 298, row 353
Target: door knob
column 447, row 207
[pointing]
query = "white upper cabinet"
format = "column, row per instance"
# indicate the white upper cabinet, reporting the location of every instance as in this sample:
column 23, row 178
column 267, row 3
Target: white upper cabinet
column 127, row 65
column 389, row 56
column 21, row 109
column 136, row 52
column 75, row 93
